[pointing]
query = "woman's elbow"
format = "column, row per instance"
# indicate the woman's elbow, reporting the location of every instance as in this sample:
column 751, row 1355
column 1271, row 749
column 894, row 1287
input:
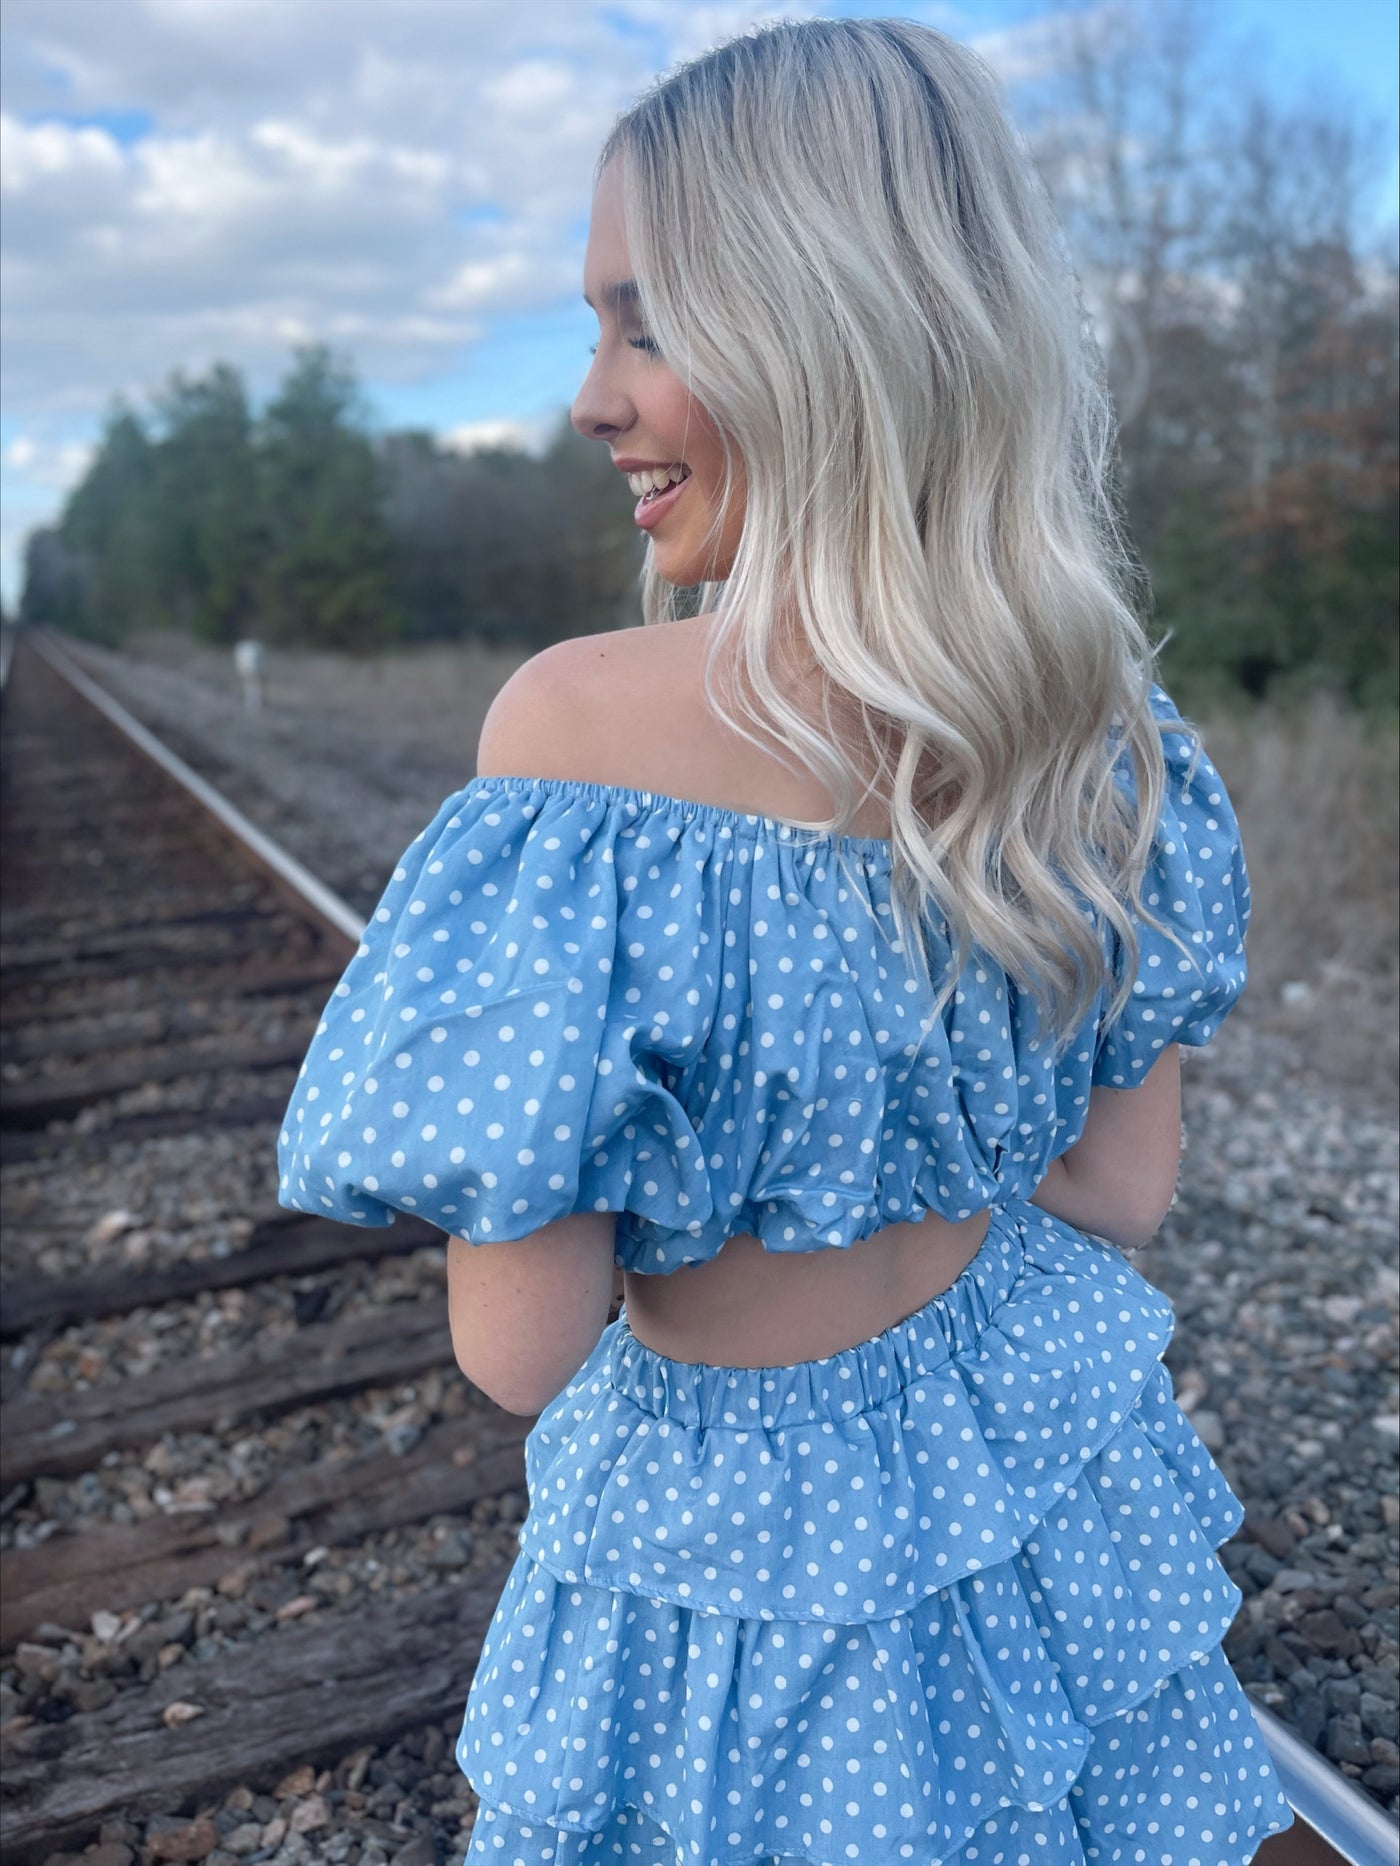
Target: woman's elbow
column 507, row 1385
column 512, row 1378
column 1136, row 1214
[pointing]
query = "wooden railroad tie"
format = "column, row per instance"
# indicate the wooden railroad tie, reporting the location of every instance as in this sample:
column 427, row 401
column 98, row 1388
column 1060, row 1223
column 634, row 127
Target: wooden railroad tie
column 332, row 1504
column 362, row 1675
column 284, row 1243
column 72, row 1432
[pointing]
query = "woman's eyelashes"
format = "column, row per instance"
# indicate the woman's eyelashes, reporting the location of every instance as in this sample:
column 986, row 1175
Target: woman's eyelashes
column 647, row 344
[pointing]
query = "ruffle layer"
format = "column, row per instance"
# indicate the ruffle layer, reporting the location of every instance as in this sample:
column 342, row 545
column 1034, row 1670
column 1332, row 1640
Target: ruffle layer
column 845, row 1744
column 943, row 1441
column 1128, row 1805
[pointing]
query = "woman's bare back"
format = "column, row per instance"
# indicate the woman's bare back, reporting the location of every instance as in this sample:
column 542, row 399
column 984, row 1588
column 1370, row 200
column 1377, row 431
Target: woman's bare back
column 747, row 1307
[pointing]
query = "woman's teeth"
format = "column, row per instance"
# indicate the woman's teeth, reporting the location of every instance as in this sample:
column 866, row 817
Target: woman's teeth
column 656, row 479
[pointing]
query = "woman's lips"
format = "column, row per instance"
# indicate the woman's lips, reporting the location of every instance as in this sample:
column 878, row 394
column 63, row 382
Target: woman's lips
column 649, row 511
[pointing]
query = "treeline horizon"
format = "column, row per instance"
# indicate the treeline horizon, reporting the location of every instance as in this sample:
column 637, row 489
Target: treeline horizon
column 1249, row 338
column 298, row 526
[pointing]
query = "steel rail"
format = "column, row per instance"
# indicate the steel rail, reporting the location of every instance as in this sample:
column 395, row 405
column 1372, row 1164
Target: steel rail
column 328, row 906
column 1324, row 1798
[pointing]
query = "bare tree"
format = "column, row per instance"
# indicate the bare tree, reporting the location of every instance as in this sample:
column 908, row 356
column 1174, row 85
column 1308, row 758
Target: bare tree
column 1219, row 230
column 1119, row 128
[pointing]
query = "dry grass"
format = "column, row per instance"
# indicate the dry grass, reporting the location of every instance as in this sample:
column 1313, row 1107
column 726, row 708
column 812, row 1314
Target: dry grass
column 439, row 691
column 1317, row 799
column 1319, row 808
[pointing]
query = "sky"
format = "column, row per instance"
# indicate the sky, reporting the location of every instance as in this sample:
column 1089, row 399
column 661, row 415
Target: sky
column 192, row 181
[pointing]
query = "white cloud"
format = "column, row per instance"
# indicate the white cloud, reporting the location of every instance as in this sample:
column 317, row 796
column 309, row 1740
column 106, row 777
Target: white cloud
column 309, row 169
column 535, row 86
column 1040, row 47
column 30, row 157
column 694, row 29
column 507, row 281
column 38, row 471
column 398, row 180
column 473, row 437
column 55, row 466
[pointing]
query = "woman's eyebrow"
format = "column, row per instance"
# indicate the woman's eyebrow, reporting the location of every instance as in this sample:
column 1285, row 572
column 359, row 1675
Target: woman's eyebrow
column 625, row 292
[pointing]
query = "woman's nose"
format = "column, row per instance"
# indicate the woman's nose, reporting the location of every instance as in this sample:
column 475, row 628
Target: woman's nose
column 600, row 411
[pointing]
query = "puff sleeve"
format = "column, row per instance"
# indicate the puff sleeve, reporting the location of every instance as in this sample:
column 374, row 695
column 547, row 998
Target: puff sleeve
column 1198, row 885
column 478, row 1064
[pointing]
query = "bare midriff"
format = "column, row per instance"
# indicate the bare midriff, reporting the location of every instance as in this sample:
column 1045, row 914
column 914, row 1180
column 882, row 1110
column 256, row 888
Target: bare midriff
column 747, row 1307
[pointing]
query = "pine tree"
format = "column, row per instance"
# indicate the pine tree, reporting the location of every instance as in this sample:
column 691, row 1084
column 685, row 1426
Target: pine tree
column 326, row 574
column 209, row 524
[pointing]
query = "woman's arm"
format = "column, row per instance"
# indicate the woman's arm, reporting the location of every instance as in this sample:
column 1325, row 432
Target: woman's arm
column 1117, row 1180
column 525, row 1315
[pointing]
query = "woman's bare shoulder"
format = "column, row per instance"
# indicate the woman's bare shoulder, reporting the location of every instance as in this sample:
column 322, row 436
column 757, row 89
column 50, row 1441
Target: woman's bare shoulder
column 612, row 707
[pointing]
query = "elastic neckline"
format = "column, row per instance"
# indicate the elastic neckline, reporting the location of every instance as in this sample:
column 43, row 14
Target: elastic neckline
column 736, row 822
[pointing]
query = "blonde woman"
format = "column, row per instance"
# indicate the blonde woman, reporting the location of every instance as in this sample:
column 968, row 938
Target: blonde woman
column 822, row 960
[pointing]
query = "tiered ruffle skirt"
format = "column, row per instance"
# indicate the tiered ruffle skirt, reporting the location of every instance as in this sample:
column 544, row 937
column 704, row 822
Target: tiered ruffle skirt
column 948, row 1596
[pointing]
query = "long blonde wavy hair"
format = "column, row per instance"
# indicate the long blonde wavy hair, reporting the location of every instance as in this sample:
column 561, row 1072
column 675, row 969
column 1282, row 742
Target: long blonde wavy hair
column 841, row 245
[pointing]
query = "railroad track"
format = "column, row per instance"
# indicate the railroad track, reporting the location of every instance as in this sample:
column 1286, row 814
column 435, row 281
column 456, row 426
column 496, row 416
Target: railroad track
column 223, row 1420
column 254, row 1522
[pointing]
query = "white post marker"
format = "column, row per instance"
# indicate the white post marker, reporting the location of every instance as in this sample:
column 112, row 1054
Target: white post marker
column 248, row 659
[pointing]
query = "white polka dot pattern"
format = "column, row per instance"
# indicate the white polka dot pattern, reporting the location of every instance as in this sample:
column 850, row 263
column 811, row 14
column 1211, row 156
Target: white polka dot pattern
column 577, row 997
column 947, row 1596
column 866, row 1636
column 1181, row 1780
column 1188, row 977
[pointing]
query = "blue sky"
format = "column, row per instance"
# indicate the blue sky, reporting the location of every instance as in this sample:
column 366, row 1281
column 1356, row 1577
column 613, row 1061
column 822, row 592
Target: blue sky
column 407, row 183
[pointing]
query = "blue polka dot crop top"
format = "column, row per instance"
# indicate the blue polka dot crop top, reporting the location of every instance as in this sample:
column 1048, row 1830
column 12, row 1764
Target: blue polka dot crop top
column 580, row 997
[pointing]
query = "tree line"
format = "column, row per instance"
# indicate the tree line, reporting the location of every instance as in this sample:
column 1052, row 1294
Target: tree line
column 299, row 526
column 1250, row 340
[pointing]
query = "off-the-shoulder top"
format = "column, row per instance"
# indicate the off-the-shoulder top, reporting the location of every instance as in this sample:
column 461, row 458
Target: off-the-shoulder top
column 577, row 996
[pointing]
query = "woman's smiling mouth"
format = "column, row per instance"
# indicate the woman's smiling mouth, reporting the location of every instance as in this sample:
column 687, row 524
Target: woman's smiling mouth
column 656, row 489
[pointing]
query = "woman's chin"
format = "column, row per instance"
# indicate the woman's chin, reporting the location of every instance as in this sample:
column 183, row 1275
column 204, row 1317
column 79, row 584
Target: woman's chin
column 675, row 567
column 686, row 569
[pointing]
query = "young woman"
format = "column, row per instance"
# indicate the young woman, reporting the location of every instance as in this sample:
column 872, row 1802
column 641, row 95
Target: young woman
column 822, row 960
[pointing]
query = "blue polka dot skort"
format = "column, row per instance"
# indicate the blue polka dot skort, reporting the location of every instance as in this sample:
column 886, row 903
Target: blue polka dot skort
column 949, row 1595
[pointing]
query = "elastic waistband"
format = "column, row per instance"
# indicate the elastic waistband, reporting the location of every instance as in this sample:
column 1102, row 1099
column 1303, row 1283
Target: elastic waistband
column 838, row 1386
